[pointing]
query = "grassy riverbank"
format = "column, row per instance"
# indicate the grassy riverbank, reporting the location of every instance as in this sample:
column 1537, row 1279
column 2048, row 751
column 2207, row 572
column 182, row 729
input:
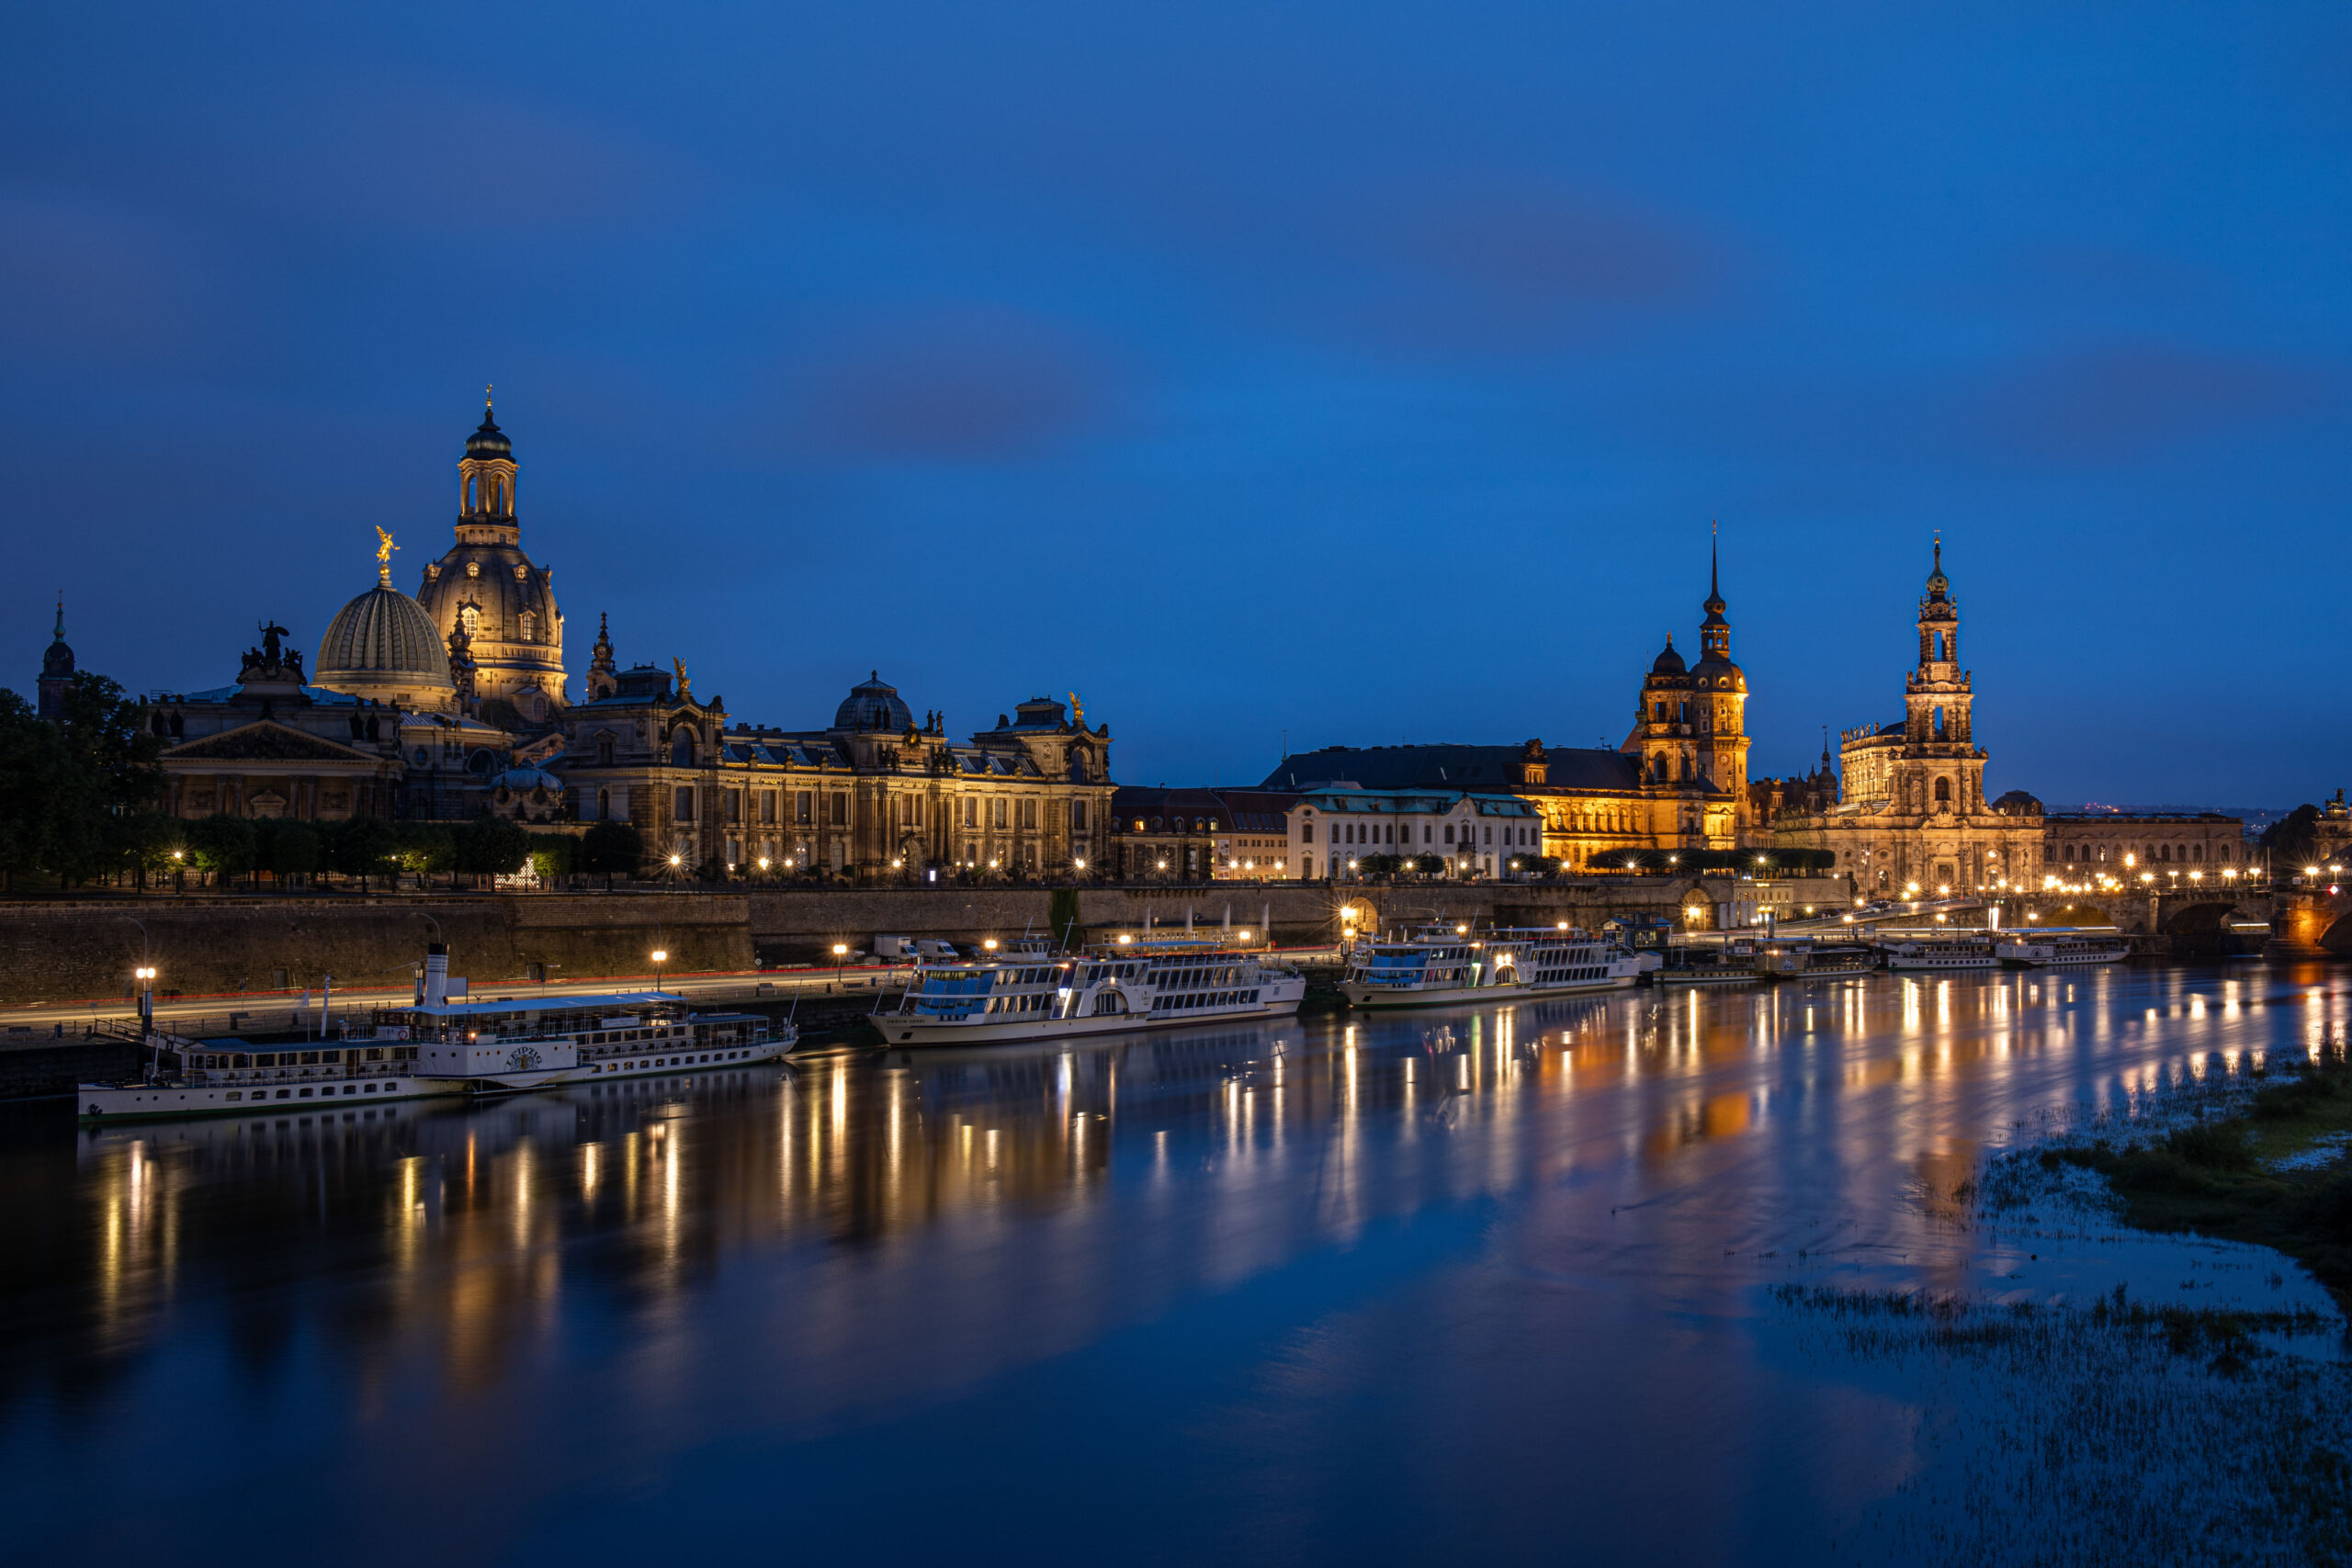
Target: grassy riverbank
column 2275, row 1175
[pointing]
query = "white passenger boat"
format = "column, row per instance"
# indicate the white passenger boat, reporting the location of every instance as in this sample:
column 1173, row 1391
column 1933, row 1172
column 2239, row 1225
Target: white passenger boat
column 1105, row 990
column 2055, row 949
column 1450, row 963
column 436, row 1048
column 1798, row 959
column 1954, row 953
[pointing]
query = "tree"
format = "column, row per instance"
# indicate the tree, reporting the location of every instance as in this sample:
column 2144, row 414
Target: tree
column 362, row 846
column 221, row 844
column 33, row 766
column 553, row 854
column 1062, row 920
column 426, row 848
column 2293, row 838
column 147, row 840
column 611, row 847
column 111, row 774
column 68, row 788
column 492, row 846
column 293, row 851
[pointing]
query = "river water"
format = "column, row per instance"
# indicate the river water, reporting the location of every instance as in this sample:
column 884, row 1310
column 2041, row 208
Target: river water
column 1464, row 1285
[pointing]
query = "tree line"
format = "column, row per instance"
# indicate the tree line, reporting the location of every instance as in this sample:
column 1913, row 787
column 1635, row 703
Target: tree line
column 78, row 806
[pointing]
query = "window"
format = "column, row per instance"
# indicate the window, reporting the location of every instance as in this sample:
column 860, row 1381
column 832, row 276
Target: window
column 996, row 813
column 1306, row 833
column 1490, row 832
column 804, row 808
column 603, row 805
column 767, row 805
column 1449, row 832
column 605, row 751
column 972, row 811
column 1943, row 786
column 841, row 809
column 1078, row 816
column 526, row 621
column 734, row 806
column 683, row 808
column 1028, row 812
column 682, row 748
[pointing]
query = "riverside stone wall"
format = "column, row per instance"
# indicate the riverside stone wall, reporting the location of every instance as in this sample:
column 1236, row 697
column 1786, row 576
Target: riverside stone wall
column 63, row 950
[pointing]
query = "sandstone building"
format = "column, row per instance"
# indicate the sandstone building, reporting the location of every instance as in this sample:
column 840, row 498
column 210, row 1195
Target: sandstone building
column 1678, row 781
column 1912, row 818
column 875, row 793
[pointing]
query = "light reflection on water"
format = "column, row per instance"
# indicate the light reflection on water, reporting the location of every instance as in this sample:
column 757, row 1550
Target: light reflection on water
column 1386, row 1259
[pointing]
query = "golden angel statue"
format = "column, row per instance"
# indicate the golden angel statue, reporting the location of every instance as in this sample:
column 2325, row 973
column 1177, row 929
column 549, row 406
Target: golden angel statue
column 1076, row 709
column 686, row 682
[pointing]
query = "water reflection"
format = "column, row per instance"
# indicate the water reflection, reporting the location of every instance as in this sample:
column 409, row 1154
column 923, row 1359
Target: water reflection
column 785, row 1250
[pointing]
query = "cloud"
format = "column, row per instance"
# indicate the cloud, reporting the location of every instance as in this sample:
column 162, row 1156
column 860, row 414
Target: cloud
column 1481, row 263
column 2122, row 401
column 401, row 153
column 955, row 385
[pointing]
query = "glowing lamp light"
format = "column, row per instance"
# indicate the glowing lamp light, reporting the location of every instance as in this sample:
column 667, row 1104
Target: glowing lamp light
column 1124, row 939
column 1244, row 936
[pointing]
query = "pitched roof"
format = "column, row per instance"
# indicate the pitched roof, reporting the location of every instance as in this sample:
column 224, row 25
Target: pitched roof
column 1455, row 767
column 266, row 740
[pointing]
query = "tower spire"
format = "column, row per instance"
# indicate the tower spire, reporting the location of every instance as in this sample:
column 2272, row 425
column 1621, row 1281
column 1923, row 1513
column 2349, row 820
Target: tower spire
column 61, row 614
column 1715, row 530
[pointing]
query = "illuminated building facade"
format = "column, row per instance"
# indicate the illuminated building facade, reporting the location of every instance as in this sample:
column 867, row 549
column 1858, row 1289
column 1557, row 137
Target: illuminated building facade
column 1911, row 819
column 876, row 793
column 1678, row 781
column 490, row 605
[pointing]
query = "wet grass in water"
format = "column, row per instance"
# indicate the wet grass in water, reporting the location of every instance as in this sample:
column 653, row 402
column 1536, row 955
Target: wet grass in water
column 2119, row 1433
column 2221, row 1177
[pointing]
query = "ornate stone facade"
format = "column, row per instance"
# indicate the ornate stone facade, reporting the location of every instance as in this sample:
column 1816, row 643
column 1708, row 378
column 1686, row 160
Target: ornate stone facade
column 876, row 793
column 489, row 602
column 275, row 745
column 1678, row 780
column 1911, row 819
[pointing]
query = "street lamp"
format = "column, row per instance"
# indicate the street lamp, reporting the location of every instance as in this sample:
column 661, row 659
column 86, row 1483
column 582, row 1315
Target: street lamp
column 661, row 957
column 841, row 952
column 146, row 973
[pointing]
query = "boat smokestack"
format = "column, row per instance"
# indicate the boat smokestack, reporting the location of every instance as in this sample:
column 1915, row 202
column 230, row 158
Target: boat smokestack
column 437, row 974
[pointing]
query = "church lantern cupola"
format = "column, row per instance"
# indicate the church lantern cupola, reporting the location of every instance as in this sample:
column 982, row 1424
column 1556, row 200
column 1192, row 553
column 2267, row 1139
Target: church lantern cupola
column 486, row 588
column 486, row 485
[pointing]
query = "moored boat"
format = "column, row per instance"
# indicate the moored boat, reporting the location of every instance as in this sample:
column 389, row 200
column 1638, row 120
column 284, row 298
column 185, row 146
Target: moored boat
column 1130, row 985
column 436, row 1048
column 1451, row 964
column 2059, row 949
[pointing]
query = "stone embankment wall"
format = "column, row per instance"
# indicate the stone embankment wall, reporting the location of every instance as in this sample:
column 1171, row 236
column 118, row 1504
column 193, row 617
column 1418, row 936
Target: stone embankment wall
column 60, row 951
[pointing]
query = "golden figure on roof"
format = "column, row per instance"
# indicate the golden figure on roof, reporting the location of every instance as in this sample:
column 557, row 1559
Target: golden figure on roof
column 686, row 682
column 1078, row 710
column 384, row 548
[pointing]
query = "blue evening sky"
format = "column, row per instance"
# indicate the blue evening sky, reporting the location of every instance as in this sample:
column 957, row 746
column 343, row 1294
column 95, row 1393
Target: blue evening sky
column 1362, row 371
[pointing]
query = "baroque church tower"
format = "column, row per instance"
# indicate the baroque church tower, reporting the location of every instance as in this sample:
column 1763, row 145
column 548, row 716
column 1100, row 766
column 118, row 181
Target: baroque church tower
column 491, row 599
column 1690, row 735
